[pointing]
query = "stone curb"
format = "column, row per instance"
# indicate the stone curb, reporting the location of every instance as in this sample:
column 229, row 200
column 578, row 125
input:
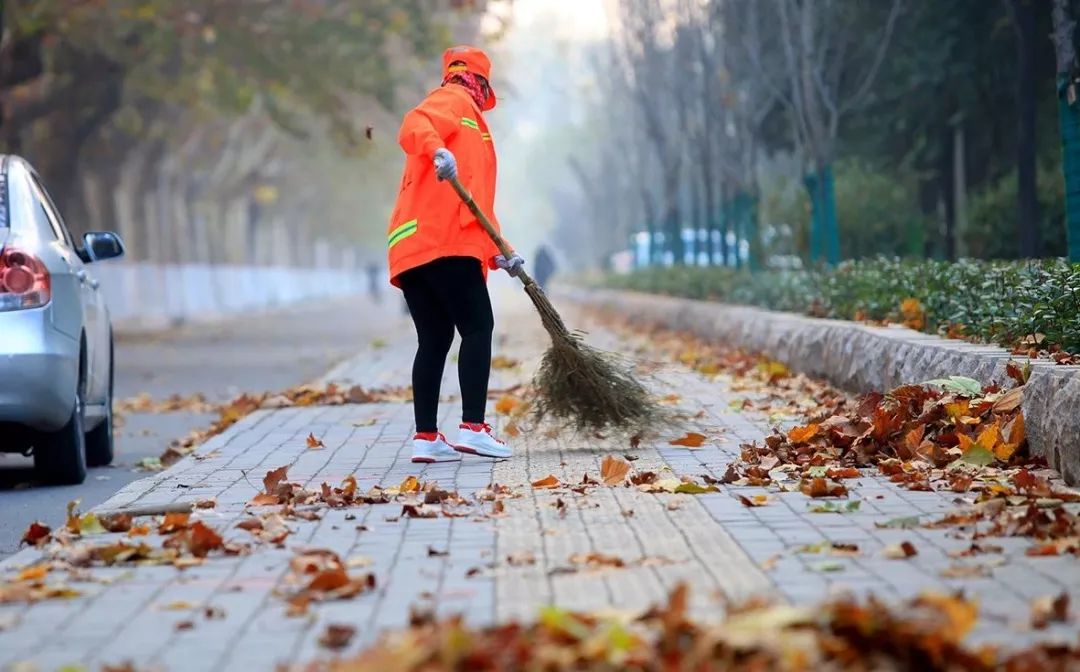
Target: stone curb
column 860, row 358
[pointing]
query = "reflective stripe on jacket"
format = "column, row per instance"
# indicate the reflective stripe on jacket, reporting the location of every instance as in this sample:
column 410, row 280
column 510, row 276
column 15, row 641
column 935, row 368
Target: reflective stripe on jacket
column 429, row 220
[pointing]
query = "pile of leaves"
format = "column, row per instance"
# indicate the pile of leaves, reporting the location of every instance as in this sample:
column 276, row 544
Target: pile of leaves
column 233, row 411
column 1031, row 306
column 926, row 633
column 914, row 434
column 71, row 549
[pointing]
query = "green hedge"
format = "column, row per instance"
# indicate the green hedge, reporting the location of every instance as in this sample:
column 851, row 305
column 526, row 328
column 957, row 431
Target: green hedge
column 1000, row 302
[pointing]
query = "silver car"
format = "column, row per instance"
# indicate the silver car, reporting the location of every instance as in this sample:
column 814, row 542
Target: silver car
column 56, row 351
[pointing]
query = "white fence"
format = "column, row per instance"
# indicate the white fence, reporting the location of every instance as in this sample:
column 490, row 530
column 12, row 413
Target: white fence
column 146, row 296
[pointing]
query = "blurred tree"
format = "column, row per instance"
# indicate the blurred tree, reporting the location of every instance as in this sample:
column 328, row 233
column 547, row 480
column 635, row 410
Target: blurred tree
column 177, row 83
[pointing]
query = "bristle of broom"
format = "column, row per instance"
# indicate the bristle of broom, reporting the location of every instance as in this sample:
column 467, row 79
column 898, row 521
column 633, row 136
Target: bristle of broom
column 587, row 389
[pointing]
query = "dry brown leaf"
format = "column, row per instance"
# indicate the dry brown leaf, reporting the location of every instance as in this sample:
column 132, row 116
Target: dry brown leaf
column 1010, row 401
column 549, row 481
column 314, row 443
column 691, row 440
column 337, row 636
column 273, row 478
column 613, row 470
column 905, row 549
column 36, row 534
column 1047, row 610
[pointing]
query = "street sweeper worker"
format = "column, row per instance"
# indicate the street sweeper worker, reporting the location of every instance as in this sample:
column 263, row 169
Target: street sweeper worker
column 439, row 255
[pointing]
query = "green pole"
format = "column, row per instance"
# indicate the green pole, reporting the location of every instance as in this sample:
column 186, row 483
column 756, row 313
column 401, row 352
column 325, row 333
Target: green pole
column 753, row 232
column 832, row 227
column 810, row 180
column 1069, row 119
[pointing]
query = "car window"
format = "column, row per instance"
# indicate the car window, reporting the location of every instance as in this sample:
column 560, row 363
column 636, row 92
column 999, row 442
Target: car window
column 4, row 209
column 27, row 217
column 45, row 204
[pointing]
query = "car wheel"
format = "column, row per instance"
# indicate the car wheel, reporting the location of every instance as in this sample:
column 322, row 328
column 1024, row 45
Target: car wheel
column 60, row 456
column 99, row 440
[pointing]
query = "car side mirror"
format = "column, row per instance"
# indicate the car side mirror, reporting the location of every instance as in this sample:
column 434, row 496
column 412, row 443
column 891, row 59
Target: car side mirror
column 101, row 245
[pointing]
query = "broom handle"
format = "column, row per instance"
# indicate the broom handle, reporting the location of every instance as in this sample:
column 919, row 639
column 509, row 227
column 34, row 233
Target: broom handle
column 504, row 248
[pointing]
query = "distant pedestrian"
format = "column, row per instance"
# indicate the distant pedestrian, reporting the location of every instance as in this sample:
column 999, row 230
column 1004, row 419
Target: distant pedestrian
column 440, row 256
column 374, row 282
column 544, row 266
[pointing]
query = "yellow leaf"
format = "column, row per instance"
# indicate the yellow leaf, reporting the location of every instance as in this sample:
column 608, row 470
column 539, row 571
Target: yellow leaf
column 989, row 437
column 35, row 573
column 957, row 409
column 1017, row 431
column 503, row 362
column 410, row 484
column 511, row 429
column 1003, row 451
column 507, row 404
column 960, row 614
column 803, row 434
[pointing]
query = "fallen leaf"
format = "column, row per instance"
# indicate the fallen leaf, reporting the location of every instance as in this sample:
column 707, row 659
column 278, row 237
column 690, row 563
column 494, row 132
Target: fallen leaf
column 961, row 614
column 33, row 573
column 273, row 478
column 119, row 522
column 409, row 485
column 821, row 487
column 313, row 443
column 173, row 522
column 499, row 362
column 36, row 534
column 903, row 523
column 691, row 440
column 803, row 434
column 337, row 636
column 613, row 470
column 903, row 550
column 1010, row 401
column 1047, row 610
column 834, row 507
column 549, row 481
column 507, row 404
column 757, row 500
column 695, row 489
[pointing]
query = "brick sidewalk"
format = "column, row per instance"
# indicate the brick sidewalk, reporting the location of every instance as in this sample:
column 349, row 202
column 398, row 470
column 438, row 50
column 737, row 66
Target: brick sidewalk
column 723, row 549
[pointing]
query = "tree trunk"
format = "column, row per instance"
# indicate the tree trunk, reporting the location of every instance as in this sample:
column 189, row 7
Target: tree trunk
column 1068, row 83
column 959, row 191
column 1027, row 199
column 947, row 191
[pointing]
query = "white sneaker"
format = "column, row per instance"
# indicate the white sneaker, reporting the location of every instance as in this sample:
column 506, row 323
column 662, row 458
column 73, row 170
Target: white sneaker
column 437, row 450
column 476, row 439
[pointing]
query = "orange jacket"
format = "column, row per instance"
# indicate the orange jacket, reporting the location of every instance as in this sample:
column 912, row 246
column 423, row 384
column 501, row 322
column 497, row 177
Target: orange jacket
column 429, row 220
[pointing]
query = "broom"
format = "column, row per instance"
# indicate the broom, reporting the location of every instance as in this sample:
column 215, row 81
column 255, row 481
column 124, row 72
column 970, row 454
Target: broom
column 576, row 384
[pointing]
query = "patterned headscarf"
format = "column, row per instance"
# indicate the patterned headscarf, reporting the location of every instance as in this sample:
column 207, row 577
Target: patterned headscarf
column 474, row 84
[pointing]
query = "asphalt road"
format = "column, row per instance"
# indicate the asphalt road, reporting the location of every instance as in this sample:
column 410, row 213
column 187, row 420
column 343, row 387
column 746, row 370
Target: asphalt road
column 250, row 354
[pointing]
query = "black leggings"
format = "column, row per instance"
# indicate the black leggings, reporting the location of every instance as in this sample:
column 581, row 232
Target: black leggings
column 444, row 294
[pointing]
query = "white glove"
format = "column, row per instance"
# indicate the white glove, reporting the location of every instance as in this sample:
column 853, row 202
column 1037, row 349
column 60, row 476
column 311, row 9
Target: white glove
column 445, row 164
column 512, row 265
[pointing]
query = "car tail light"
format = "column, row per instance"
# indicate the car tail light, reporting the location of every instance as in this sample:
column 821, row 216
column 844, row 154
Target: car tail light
column 24, row 281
